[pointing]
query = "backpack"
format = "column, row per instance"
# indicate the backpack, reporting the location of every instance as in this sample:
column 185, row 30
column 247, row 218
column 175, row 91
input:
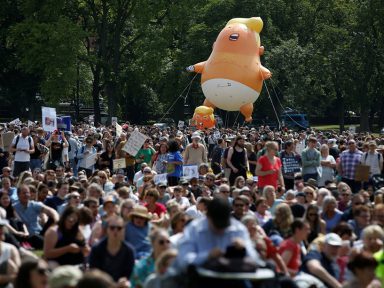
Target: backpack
column 17, row 141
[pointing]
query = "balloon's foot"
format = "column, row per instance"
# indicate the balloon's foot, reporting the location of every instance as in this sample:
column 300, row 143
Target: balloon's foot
column 249, row 119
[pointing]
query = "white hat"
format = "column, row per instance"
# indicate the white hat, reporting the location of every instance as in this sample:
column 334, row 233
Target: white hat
column 333, row 239
column 195, row 135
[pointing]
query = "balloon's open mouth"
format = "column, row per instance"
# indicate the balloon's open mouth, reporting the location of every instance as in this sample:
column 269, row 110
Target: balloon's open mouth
column 234, row 36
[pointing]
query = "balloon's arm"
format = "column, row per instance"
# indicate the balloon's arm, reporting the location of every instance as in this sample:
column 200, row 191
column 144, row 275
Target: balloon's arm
column 265, row 73
column 198, row 68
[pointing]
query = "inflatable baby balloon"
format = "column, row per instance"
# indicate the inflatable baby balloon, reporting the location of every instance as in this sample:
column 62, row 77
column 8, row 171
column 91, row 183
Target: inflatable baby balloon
column 203, row 118
column 232, row 77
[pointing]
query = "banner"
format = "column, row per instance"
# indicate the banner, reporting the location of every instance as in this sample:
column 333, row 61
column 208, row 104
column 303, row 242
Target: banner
column 64, row 123
column 190, row 171
column 119, row 164
column 134, row 143
column 49, row 119
column 290, row 165
column 114, row 121
column 7, row 140
column 160, row 178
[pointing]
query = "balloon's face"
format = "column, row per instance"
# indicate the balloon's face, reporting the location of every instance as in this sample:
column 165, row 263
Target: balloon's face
column 202, row 121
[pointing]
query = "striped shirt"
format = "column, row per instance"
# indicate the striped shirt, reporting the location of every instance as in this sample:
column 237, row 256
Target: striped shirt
column 349, row 160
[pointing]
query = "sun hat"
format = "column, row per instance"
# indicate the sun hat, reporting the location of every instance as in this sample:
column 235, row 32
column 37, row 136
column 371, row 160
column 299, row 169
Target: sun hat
column 195, row 135
column 140, row 211
column 65, row 276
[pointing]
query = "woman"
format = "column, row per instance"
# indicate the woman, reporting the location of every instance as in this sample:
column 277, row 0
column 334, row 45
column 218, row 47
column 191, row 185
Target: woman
column 252, row 158
column 158, row 210
column 160, row 158
column 56, row 147
column 239, row 182
column 279, row 228
column 331, row 215
column 310, row 195
column 106, row 158
column 269, row 168
column 328, row 165
column 262, row 214
column 42, row 192
column 372, row 239
column 126, row 207
column 174, row 163
column 160, row 242
column 137, row 230
column 33, row 273
column 64, row 243
column 317, row 224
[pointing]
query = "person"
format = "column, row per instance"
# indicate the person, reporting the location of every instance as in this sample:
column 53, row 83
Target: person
column 362, row 265
column 159, row 159
column 182, row 201
column 330, row 214
column 40, row 152
column 328, row 165
column 137, row 230
column 145, row 154
column 33, row 273
column 60, row 198
column 361, row 219
column 268, row 168
column 237, row 160
column 349, row 159
column 106, row 158
column 374, row 160
column 262, row 214
column 238, row 208
column 158, row 209
column 73, row 147
column 64, row 243
column 29, row 212
column 252, row 158
column 112, row 254
column 208, row 237
column 290, row 249
column 321, row 264
column 217, row 155
column 96, row 279
column 146, row 266
column 290, row 164
column 56, row 147
column 174, row 163
column 22, row 146
column 84, row 153
column 317, row 225
column 310, row 158
column 195, row 153
column 65, row 277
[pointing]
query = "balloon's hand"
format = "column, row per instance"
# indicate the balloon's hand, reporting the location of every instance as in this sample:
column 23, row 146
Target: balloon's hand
column 190, row 68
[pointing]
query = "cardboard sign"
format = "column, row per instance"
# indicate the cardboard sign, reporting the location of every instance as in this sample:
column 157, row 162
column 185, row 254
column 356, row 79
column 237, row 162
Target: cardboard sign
column 190, row 171
column 134, row 143
column 119, row 164
column 362, row 173
column 119, row 129
column 160, row 178
column 290, row 165
column 114, row 121
column 49, row 119
column 181, row 124
column 7, row 140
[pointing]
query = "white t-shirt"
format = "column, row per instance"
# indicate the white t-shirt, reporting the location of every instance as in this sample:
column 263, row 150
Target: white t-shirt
column 23, row 143
column 373, row 160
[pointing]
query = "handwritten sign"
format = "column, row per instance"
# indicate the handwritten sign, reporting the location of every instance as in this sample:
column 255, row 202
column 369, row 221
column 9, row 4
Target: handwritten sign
column 7, row 140
column 49, row 119
column 119, row 129
column 119, row 164
column 134, row 143
column 190, row 171
column 160, row 178
column 290, row 165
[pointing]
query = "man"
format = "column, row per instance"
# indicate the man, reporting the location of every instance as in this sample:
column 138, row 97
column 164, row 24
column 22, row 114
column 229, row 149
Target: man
column 22, row 146
column 59, row 199
column 195, row 153
column 112, row 254
column 237, row 160
column 84, row 153
column 73, row 147
column 217, row 155
column 29, row 212
column 210, row 183
column 322, row 264
column 225, row 193
column 374, row 160
column 349, row 159
column 310, row 158
column 139, row 174
column 208, row 237
column 333, row 149
column 238, row 208
column 290, row 164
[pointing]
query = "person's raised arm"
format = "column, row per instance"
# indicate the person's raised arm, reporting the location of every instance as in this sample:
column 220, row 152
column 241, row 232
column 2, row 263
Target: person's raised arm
column 50, row 213
column 315, row 268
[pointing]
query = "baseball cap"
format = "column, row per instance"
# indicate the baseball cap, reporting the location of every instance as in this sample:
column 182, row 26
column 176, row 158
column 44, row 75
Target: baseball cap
column 333, row 239
column 147, row 169
column 65, row 276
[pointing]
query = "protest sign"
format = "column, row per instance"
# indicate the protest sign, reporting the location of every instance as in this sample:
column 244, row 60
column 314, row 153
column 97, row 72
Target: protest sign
column 119, row 129
column 290, row 164
column 300, row 147
column 160, row 178
column 64, row 123
column 16, row 122
column 49, row 119
column 190, row 171
column 119, row 164
column 90, row 160
column 352, row 129
column 362, row 172
column 114, row 121
column 134, row 143
column 31, row 123
column 7, row 140
column 180, row 124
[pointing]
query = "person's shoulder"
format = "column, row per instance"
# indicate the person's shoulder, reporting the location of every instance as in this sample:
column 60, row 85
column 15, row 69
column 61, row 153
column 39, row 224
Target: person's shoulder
column 313, row 255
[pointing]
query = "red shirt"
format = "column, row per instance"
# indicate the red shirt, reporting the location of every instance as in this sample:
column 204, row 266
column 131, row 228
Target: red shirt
column 159, row 209
column 289, row 245
column 266, row 165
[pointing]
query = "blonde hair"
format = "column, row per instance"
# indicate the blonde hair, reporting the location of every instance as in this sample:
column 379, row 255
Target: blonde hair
column 372, row 231
column 284, row 213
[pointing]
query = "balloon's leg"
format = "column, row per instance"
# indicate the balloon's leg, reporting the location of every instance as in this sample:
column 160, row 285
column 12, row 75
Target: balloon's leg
column 208, row 104
column 247, row 110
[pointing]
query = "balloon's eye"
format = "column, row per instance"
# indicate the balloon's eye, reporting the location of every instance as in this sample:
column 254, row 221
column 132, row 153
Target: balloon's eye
column 234, row 36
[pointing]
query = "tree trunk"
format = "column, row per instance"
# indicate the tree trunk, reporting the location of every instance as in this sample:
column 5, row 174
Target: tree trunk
column 364, row 113
column 96, row 95
column 340, row 101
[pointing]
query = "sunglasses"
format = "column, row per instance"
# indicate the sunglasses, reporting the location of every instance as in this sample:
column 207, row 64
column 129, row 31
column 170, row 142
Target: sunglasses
column 162, row 241
column 113, row 227
column 42, row 271
column 210, row 179
column 345, row 194
column 312, row 214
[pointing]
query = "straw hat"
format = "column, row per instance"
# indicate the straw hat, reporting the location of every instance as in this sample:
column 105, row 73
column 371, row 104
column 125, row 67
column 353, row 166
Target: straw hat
column 140, row 211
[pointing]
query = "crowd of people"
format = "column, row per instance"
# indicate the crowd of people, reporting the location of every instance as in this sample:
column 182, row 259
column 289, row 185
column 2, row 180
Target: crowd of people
column 291, row 202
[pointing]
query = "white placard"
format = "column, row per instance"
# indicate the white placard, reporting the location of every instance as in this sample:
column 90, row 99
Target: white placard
column 352, row 129
column 49, row 119
column 119, row 164
column 181, row 124
column 7, row 140
column 190, row 171
column 134, row 143
column 216, row 135
column 160, row 178
column 31, row 123
column 300, row 147
column 16, row 122
column 114, row 121
column 90, row 160
column 119, row 129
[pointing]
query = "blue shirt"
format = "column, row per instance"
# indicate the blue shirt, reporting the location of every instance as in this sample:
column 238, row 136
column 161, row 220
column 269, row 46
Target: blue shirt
column 172, row 169
column 29, row 215
column 332, row 222
column 138, row 238
column 199, row 239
